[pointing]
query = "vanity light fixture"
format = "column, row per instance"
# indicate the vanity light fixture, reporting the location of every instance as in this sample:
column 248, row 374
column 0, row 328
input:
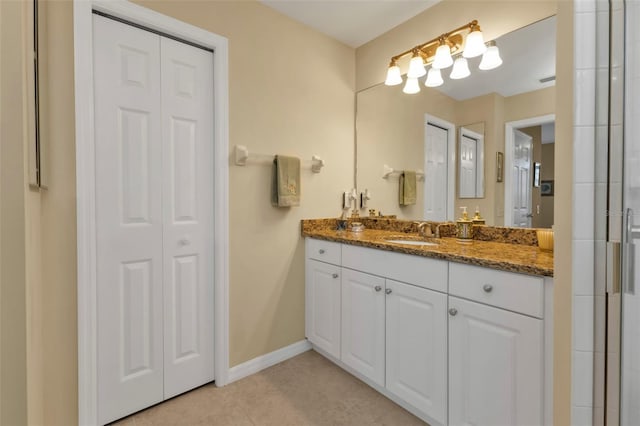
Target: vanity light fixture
column 461, row 43
column 416, row 66
column 491, row 58
column 412, row 86
column 460, row 69
column 434, row 78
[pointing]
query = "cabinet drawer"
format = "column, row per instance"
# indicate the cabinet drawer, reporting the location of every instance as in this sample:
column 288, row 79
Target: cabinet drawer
column 416, row 270
column 515, row 292
column 325, row 251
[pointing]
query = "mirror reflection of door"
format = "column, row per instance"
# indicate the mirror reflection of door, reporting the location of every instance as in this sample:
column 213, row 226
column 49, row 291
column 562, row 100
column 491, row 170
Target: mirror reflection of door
column 439, row 169
column 471, row 164
column 529, row 205
column 521, row 181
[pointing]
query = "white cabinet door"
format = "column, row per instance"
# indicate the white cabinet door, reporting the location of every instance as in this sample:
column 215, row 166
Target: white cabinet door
column 323, row 306
column 495, row 366
column 128, row 218
column 363, row 324
column 187, row 108
column 416, row 356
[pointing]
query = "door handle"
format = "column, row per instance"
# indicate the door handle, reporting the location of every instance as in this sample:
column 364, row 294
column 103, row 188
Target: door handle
column 184, row 241
column 530, row 215
column 628, row 253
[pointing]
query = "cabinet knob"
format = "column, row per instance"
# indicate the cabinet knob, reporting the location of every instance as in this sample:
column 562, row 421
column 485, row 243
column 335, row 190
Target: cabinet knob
column 378, row 288
column 321, row 251
column 388, row 291
column 335, row 275
column 488, row 288
column 453, row 312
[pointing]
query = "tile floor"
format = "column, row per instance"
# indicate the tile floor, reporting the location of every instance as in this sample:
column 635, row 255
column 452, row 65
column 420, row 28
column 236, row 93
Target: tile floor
column 305, row 390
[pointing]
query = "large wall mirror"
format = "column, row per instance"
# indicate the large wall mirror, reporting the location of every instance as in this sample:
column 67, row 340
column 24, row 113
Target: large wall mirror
column 455, row 137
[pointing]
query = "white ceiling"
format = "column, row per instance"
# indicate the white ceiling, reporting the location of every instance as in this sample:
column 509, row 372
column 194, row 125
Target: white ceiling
column 353, row 22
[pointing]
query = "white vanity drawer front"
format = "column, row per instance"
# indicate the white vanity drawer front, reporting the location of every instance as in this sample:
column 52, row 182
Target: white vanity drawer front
column 324, row 251
column 508, row 290
column 416, row 270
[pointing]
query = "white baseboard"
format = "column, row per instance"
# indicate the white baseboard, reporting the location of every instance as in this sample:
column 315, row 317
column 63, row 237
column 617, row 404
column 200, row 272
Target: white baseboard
column 265, row 361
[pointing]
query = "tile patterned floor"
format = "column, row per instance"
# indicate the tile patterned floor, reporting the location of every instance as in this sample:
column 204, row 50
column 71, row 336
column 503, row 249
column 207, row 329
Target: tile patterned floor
column 305, row 390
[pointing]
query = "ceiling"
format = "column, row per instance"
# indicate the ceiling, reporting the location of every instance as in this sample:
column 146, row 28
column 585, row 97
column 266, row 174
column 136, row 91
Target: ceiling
column 353, row 22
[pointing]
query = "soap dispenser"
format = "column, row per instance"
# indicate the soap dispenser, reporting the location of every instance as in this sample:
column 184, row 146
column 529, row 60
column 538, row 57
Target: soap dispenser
column 464, row 227
column 477, row 219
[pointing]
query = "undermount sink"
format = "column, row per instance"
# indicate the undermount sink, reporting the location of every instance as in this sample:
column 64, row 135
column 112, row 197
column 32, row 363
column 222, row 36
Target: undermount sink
column 411, row 242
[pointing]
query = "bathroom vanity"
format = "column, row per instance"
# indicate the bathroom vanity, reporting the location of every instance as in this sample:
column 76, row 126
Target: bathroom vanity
column 455, row 334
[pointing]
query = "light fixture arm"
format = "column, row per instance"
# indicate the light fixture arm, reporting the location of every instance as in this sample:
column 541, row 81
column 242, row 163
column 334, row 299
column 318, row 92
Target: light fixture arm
column 427, row 50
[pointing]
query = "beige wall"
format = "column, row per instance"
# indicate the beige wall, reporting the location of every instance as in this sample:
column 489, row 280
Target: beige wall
column 13, row 345
column 277, row 104
column 495, row 17
column 563, row 255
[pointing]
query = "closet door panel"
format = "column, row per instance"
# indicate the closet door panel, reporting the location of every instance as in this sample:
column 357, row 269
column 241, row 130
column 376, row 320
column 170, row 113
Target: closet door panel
column 128, row 218
column 187, row 117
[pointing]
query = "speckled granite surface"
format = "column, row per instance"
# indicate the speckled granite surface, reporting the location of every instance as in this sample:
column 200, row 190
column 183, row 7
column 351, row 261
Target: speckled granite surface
column 522, row 257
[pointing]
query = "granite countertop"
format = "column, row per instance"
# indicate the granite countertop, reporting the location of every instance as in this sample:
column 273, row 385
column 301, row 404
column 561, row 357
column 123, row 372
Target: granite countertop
column 520, row 258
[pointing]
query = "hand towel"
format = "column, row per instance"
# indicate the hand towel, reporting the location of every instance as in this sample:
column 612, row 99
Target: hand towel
column 285, row 181
column 407, row 191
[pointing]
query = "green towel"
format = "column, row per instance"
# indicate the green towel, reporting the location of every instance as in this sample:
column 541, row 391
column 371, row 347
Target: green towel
column 285, row 181
column 407, row 192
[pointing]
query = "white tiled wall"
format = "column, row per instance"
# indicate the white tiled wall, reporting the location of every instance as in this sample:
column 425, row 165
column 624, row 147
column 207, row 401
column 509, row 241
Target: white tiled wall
column 590, row 115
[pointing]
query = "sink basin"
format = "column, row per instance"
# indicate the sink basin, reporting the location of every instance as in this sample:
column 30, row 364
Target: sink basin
column 411, row 242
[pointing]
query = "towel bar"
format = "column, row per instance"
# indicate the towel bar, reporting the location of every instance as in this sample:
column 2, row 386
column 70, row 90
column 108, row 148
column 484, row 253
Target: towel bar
column 242, row 155
column 388, row 171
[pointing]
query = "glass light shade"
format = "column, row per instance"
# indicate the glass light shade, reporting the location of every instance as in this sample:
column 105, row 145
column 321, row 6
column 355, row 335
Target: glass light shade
column 491, row 59
column 443, row 57
column 434, row 78
column 411, row 86
column 474, row 45
column 460, row 69
column 393, row 76
column 416, row 67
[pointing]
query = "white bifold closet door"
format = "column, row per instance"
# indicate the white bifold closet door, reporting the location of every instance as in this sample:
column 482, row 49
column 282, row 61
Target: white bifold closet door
column 154, row 217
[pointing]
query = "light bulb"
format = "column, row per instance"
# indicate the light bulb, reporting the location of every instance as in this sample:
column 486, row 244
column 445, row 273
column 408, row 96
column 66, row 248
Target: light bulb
column 434, row 78
column 474, row 45
column 411, row 86
column 460, row 69
column 443, row 57
column 416, row 67
column 491, row 58
column 393, row 75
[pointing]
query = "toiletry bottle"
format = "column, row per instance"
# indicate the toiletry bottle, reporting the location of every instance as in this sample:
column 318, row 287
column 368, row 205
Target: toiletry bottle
column 464, row 227
column 477, row 219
